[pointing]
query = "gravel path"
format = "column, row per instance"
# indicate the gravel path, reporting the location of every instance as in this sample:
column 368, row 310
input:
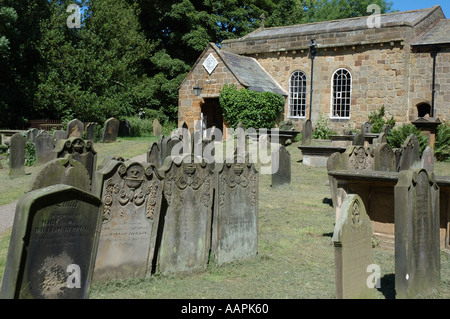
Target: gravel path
column 7, row 211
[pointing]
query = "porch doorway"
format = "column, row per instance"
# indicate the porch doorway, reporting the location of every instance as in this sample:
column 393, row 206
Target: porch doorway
column 211, row 115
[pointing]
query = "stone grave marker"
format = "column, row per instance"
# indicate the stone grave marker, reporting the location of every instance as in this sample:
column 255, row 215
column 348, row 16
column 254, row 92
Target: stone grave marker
column 90, row 131
column 335, row 162
column 59, row 135
column 384, row 158
column 410, row 153
column 110, row 130
column 427, row 160
column 157, row 128
column 186, row 231
column 359, row 139
column 235, row 220
column 81, row 150
column 44, row 144
column 417, row 238
column 75, row 128
column 131, row 193
column 307, row 132
column 358, row 158
column 17, row 155
column 280, row 166
column 366, row 127
column 53, row 244
column 31, row 134
column 154, row 154
column 64, row 170
column 124, row 128
column 352, row 239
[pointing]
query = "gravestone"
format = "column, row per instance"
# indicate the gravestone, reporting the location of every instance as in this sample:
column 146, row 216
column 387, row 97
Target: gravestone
column 124, row 128
column 43, row 143
column 17, row 155
column 358, row 158
column 110, row 130
column 366, row 127
column 81, row 150
column 64, row 170
column 280, row 166
column 75, row 128
column 335, row 162
column 154, row 155
column 186, row 231
column 53, row 244
column 235, row 220
column 427, row 160
column 352, row 239
column 307, row 132
column 59, row 135
column 131, row 193
column 359, row 139
column 417, row 238
column 31, row 134
column 157, row 129
column 90, row 131
column 384, row 158
column 410, row 153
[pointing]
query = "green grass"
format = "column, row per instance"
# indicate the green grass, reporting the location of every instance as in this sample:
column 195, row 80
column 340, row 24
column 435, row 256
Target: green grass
column 295, row 254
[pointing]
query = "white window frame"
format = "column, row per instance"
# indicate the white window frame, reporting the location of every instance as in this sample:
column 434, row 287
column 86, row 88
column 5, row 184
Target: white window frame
column 299, row 96
column 340, row 94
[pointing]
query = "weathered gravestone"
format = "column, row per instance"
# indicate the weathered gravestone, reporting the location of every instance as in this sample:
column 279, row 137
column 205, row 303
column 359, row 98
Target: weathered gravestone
column 366, row 127
column 17, row 155
column 31, row 134
column 186, row 231
column 235, row 220
column 75, row 128
column 358, row 158
column 62, row 171
column 59, row 135
column 91, row 130
column 157, row 129
column 352, row 238
column 43, row 143
column 280, row 166
column 417, row 239
column 336, row 161
column 359, row 139
column 131, row 193
column 307, row 132
column 81, row 150
column 384, row 158
column 53, row 244
column 110, row 130
column 154, row 154
column 410, row 153
column 427, row 160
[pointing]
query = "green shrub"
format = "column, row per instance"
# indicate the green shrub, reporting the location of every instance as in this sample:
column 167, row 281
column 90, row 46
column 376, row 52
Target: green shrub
column 442, row 143
column 378, row 121
column 140, row 127
column 30, row 153
column 253, row 109
column 321, row 130
column 151, row 114
column 396, row 137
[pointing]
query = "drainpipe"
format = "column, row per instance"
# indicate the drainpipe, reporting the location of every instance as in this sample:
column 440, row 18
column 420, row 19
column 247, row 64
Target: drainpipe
column 433, row 55
column 312, row 50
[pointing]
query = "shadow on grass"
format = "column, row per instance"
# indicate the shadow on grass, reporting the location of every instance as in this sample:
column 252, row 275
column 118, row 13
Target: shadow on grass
column 328, row 201
column 387, row 287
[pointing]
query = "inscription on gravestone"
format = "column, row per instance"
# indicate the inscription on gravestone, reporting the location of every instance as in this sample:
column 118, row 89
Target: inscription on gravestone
column 53, row 244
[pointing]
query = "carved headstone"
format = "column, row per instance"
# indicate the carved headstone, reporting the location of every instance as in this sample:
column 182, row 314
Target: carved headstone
column 157, row 129
column 154, row 155
column 410, row 153
column 358, row 158
column 417, row 239
column 131, row 193
column 110, row 130
column 427, row 160
column 44, row 144
column 75, row 128
column 53, row 244
column 281, row 167
column 366, row 127
column 17, row 155
column 186, row 236
column 352, row 238
column 307, row 132
column 384, row 158
column 235, row 228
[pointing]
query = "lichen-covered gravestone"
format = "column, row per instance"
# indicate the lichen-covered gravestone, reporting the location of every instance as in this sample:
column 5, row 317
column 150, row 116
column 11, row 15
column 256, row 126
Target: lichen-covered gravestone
column 75, row 128
column 110, row 130
column 384, row 158
column 410, row 153
column 186, row 231
column 44, row 144
column 53, row 244
column 352, row 238
column 131, row 193
column 17, row 155
column 417, row 239
column 235, row 220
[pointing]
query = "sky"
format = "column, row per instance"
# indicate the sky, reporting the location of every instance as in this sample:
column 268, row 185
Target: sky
column 407, row 5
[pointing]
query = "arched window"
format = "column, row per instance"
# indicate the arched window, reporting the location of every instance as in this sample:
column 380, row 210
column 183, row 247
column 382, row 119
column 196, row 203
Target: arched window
column 423, row 109
column 297, row 94
column 341, row 94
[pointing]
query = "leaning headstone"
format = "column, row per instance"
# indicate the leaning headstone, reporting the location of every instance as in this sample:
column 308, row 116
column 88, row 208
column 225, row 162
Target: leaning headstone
column 90, row 131
column 410, row 153
column 53, row 244
column 186, row 232
column 307, row 132
column 17, row 155
column 81, row 150
column 43, row 143
column 131, row 193
column 110, row 130
column 157, row 129
column 417, row 239
column 75, row 128
column 62, row 171
column 384, row 158
column 427, row 160
column 235, row 220
column 281, row 166
column 352, row 238
column 359, row 139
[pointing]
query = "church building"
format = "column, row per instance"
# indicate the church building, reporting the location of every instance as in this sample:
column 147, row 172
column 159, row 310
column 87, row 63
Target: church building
column 339, row 70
